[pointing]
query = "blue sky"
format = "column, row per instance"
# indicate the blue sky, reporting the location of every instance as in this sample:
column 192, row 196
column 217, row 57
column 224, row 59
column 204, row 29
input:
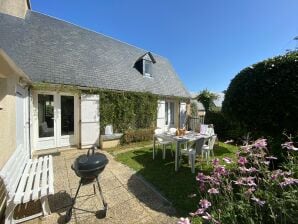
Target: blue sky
column 208, row 42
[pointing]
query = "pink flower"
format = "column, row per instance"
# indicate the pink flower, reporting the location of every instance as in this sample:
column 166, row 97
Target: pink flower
column 239, row 182
column 200, row 177
column 215, row 162
column 251, row 183
column 242, row 161
column 202, row 187
column 207, row 216
column 252, row 169
column 213, row 191
column 204, row 203
column 246, row 181
column 200, row 211
column 288, row 181
column 260, row 143
column 247, row 170
column 183, row 221
column 220, row 170
column 258, row 201
column 227, row 160
column 289, row 146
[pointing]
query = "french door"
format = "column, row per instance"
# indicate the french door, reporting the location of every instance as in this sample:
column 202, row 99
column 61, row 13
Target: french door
column 55, row 120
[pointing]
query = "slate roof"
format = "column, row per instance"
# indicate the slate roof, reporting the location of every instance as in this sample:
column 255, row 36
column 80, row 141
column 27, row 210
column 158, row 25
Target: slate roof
column 54, row 51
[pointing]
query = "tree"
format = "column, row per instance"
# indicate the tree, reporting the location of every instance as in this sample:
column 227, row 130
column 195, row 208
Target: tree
column 193, row 109
column 207, row 99
column 264, row 97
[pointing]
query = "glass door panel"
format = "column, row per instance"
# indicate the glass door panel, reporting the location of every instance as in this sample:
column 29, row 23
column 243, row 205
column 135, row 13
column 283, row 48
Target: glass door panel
column 45, row 115
column 67, row 115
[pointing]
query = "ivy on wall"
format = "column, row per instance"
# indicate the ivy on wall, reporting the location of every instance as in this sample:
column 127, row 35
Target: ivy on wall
column 127, row 110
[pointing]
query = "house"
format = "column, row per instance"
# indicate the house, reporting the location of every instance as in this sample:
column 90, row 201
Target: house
column 44, row 50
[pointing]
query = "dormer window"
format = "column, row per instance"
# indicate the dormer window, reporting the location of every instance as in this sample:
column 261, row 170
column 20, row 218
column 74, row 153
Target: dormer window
column 147, row 68
column 145, row 65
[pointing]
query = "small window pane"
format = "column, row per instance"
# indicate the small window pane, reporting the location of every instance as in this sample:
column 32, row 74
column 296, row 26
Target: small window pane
column 148, row 68
column 166, row 113
column 67, row 115
column 172, row 112
column 46, row 115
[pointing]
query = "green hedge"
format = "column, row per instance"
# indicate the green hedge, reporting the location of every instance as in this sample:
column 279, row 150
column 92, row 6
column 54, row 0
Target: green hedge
column 223, row 127
column 127, row 110
column 138, row 135
column 264, row 97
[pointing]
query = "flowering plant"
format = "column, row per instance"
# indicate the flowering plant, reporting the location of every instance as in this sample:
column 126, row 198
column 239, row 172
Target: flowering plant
column 253, row 191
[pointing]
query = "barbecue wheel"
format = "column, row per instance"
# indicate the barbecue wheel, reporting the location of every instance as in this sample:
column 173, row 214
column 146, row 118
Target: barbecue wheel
column 102, row 213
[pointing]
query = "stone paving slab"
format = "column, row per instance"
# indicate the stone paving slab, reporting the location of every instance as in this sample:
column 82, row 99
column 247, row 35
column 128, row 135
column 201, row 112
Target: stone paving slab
column 129, row 198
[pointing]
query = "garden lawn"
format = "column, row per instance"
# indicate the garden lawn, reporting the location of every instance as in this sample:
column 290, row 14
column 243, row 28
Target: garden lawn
column 178, row 187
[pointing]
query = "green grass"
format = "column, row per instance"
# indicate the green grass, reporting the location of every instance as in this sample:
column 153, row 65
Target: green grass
column 176, row 186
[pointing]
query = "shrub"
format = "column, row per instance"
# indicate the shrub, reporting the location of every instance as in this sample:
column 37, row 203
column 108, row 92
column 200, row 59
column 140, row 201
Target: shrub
column 254, row 191
column 137, row 135
column 264, row 97
column 224, row 128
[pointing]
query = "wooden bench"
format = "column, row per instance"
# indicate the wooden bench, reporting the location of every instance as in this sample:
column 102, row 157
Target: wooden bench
column 27, row 180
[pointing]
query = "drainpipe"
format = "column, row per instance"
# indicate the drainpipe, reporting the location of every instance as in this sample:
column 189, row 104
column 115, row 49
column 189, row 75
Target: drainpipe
column 29, row 121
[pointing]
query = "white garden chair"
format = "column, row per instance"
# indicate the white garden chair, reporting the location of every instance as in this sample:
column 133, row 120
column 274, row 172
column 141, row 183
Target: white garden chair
column 206, row 149
column 162, row 142
column 192, row 149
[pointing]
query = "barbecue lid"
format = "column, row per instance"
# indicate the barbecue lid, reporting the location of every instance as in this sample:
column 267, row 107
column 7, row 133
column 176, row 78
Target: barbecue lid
column 90, row 162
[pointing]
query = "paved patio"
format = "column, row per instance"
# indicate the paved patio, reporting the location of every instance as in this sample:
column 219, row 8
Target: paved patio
column 130, row 199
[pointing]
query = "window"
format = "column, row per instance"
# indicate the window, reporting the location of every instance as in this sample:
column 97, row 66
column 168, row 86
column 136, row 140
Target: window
column 147, row 68
column 144, row 65
column 169, row 113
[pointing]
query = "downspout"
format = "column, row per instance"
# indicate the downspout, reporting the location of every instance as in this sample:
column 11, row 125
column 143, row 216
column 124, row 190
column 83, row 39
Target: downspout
column 29, row 121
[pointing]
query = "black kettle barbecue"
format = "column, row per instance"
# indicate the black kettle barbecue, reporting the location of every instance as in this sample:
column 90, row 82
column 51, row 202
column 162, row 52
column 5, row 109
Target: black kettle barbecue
column 88, row 167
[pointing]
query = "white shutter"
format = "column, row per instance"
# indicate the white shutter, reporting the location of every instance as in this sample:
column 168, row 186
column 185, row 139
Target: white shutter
column 22, row 120
column 89, row 120
column 182, row 114
column 161, row 114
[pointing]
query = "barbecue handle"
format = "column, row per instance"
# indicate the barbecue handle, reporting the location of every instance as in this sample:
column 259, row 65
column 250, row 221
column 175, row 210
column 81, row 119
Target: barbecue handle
column 92, row 148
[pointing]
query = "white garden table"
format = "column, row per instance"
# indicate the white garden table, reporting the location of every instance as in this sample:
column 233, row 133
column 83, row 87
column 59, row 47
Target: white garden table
column 177, row 140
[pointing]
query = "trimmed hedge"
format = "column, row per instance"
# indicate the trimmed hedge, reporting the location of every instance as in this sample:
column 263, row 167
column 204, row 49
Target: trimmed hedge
column 223, row 127
column 263, row 98
column 138, row 135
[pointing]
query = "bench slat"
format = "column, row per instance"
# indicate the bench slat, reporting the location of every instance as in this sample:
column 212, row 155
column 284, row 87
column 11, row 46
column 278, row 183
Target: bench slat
column 29, row 185
column 44, row 184
column 36, row 188
column 12, row 171
column 51, row 176
column 21, row 188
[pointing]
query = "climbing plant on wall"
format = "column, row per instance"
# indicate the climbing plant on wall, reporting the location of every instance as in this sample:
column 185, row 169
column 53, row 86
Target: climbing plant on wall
column 127, row 110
